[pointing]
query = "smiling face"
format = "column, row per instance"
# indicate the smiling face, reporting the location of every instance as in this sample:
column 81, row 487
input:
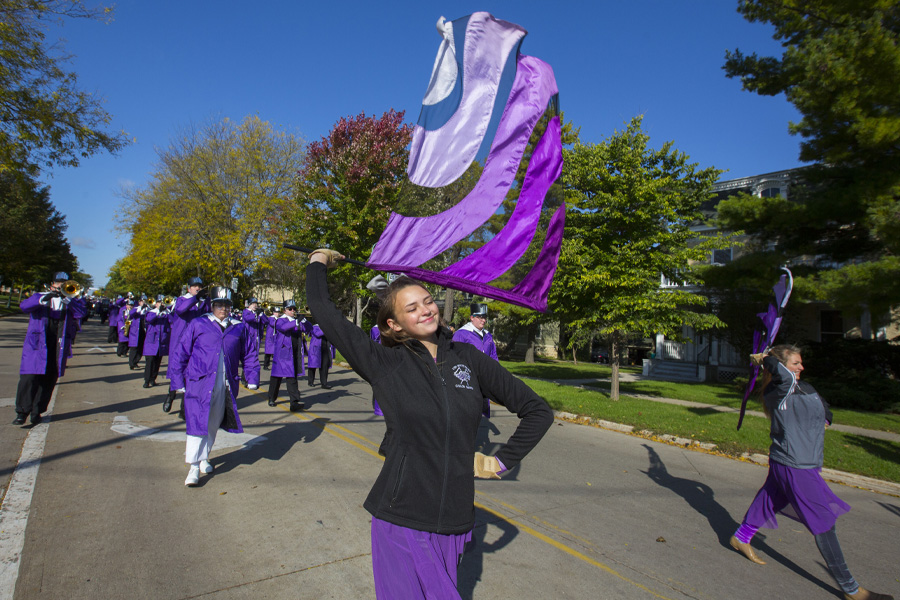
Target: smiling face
column 794, row 364
column 415, row 313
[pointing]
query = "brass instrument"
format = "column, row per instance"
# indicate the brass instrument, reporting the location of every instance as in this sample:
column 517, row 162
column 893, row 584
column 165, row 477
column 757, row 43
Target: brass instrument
column 168, row 301
column 72, row 289
column 126, row 327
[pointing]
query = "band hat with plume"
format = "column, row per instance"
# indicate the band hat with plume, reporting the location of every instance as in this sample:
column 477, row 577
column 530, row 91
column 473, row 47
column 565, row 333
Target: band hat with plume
column 220, row 294
column 479, row 310
column 61, row 276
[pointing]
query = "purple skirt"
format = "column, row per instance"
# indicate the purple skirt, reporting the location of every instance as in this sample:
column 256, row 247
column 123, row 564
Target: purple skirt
column 800, row 494
column 413, row 565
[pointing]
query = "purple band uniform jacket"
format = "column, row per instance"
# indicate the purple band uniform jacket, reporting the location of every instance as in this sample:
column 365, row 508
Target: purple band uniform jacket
column 484, row 343
column 115, row 312
column 159, row 331
column 187, row 308
column 196, row 364
column 123, row 315
column 315, row 349
column 136, row 315
column 270, row 333
column 255, row 323
column 34, row 350
column 287, row 329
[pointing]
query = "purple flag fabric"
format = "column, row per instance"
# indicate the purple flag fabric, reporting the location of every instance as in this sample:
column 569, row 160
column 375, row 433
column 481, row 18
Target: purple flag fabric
column 411, row 241
column 504, row 249
column 444, row 148
column 461, row 96
column 765, row 338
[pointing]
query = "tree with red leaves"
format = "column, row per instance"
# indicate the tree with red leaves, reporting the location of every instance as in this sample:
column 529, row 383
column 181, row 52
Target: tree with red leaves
column 348, row 187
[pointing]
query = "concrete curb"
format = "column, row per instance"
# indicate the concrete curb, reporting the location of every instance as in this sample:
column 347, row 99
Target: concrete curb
column 851, row 479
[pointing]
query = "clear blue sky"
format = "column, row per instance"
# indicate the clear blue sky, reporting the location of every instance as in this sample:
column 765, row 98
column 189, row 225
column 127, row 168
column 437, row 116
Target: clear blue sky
column 166, row 65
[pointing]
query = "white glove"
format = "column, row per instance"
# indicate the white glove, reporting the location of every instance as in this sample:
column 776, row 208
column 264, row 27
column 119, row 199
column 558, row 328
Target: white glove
column 181, row 390
column 252, row 387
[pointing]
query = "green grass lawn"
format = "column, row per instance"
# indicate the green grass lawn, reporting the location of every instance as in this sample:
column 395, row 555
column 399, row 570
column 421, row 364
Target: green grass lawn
column 13, row 305
column 720, row 394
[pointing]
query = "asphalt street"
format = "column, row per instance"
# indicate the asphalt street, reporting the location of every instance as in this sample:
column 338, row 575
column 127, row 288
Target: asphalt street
column 590, row 513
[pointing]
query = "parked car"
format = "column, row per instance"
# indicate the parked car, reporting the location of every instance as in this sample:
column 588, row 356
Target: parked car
column 600, row 355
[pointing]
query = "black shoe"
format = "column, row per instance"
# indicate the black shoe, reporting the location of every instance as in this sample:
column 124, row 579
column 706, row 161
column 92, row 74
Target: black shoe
column 181, row 414
column 167, row 405
column 271, row 402
column 36, row 419
column 147, row 384
column 325, row 386
column 20, row 420
column 267, row 368
column 297, row 406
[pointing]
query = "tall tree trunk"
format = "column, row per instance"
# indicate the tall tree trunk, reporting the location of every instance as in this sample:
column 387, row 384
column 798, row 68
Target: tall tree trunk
column 575, row 354
column 449, row 298
column 614, row 357
column 532, row 334
column 358, row 316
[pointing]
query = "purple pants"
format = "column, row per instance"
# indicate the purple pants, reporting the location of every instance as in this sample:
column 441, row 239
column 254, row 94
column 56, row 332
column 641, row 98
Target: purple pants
column 415, row 565
column 800, row 494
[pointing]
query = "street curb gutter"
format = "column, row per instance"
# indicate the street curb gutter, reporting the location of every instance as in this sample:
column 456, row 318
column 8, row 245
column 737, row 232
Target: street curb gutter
column 859, row 481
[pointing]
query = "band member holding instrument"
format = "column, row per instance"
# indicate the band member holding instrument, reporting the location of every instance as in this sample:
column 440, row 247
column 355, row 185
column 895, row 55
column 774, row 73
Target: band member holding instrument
column 137, row 332
column 48, row 340
column 187, row 308
column 270, row 336
column 206, row 369
column 289, row 350
column 156, row 344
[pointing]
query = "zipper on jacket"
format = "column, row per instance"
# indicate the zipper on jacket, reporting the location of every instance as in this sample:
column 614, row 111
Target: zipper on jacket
column 399, row 479
column 446, row 445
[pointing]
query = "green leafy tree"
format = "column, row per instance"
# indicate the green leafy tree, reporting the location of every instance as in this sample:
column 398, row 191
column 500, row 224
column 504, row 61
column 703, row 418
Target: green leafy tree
column 349, row 184
column 33, row 242
column 212, row 206
column 629, row 221
column 841, row 69
column 45, row 119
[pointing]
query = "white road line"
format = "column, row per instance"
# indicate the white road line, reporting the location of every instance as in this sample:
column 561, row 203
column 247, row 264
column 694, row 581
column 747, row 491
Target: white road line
column 17, row 503
column 224, row 439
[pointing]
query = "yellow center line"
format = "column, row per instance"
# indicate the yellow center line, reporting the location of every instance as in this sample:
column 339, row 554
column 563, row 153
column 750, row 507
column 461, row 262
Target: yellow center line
column 346, row 435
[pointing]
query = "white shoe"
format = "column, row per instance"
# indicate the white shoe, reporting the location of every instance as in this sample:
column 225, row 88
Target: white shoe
column 205, row 467
column 193, row 477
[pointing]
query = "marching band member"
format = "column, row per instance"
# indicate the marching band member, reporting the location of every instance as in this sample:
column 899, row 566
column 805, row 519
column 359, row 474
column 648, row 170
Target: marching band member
column 270, row 336
column 137, row 333
column 115, row 310
column 320, row 356
column 124, row 326
column 288, row 355
column 474, row 333
column 156, row 344
column 206, row 368
column 187, row 308
column 255, row 321
column 46, row 349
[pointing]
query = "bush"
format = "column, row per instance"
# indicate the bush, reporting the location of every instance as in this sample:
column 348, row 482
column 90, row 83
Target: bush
column 855, row 374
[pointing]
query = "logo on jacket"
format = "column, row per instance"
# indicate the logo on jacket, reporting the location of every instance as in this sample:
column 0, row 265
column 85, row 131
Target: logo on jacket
column 464, row 375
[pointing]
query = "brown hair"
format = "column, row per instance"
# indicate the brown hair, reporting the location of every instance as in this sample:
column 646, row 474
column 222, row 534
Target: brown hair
column 782, row 352
column 387, row 310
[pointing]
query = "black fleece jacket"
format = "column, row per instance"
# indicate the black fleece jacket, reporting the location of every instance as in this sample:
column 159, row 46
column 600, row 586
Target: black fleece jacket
column 433, row 411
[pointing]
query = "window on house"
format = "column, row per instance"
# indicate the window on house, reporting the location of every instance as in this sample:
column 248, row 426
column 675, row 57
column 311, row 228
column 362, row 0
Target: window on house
column 722, row 256
column 831, row 325
column 771, row 192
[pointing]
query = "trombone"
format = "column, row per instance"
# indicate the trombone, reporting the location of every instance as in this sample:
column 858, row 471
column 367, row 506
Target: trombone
column 71, row 289
column 168, row 301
